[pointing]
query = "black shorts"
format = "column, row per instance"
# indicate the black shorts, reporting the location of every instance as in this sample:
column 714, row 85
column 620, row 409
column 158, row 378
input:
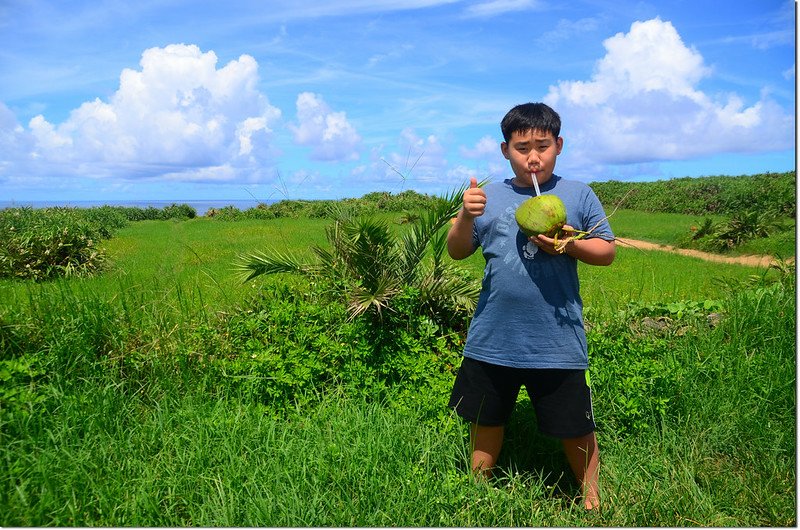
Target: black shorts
column 485, row 394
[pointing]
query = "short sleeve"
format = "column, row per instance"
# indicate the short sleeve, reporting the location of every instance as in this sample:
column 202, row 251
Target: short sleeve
column 595, row 219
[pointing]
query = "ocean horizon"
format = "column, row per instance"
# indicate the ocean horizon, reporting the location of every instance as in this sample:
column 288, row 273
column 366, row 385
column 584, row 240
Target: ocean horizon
column 201, row 206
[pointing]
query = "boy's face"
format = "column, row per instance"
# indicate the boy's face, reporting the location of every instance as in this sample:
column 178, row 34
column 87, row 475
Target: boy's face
column 532, row 151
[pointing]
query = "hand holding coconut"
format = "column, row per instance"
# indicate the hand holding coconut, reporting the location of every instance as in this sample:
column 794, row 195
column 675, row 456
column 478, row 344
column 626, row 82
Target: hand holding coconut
column 543, row 219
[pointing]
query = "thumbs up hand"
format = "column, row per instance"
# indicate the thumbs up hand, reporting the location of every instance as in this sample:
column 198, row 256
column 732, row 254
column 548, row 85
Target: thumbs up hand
column 474, row 199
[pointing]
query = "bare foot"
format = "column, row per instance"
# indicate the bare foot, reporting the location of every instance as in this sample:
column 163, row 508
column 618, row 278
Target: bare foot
column 591, row 501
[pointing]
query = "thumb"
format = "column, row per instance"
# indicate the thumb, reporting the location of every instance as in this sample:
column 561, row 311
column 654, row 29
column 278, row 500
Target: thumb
column 473, row 182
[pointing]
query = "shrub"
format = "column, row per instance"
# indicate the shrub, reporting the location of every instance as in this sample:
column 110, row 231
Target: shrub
column 774, row 192
column 178, row 211
column 743, row 226
column 43, row 244
column 106, row 219
column 288, row 346
column 371, row 203
column 227, row 213
column 370, row 265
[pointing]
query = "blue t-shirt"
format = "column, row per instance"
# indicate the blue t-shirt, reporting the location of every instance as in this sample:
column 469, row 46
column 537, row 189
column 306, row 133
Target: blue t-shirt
column 530, row 312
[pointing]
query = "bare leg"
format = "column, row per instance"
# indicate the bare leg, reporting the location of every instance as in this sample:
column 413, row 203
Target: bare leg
column 486, row 444
column 582, row 455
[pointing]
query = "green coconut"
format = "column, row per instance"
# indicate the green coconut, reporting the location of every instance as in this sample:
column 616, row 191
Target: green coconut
column 543, row 214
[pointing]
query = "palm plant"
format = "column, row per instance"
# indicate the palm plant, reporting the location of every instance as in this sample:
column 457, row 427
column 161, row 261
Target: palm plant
column 370, row 265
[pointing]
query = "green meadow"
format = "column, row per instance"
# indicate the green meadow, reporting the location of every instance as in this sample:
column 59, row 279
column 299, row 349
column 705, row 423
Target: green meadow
column 166, row 391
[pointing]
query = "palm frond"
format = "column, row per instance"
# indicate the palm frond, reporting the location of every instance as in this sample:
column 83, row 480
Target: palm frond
column 257, row 263
column 448, row 289
column 438, row 245
column 415, row 242
column 362, row 300
column 327, row 258
column 368, row 249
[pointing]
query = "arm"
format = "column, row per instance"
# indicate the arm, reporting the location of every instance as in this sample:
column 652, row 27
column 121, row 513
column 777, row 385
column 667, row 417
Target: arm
column 593, row 251
column 459, row 238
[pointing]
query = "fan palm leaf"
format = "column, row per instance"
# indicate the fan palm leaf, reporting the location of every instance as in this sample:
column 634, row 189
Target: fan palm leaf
column 377, row 298
column 368, row 250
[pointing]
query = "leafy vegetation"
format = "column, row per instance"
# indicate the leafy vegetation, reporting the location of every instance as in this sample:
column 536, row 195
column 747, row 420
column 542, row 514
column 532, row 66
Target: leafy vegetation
column 741, row 227
column 371, row 266
column 120, row 419
column 369, row 204
column 167, row 393
column 767, row 192
column 42, row 244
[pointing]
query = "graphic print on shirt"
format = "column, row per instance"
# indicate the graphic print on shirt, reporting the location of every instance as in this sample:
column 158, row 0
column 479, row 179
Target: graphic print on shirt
column 529, row 250
column 520, row 252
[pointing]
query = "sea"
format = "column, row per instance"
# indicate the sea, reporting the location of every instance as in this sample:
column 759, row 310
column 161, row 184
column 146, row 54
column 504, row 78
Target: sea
column 201, row 206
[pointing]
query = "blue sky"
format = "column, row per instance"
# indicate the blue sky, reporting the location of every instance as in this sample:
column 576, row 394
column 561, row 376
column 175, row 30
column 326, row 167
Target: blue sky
column 178, row 99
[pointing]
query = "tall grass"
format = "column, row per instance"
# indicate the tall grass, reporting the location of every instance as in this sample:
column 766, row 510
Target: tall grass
column 106, row 421
column 105, row 452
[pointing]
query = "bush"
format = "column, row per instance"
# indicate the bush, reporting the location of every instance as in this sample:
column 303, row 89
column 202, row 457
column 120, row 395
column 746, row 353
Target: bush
column 743, row 226
column 47, row 243
column 178, row 211
column 291, row 345
column 767, row 192
column 371, row 203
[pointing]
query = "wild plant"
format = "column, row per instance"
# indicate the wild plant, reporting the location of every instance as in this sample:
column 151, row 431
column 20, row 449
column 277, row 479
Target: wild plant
column 43, row 244
column 371, row 265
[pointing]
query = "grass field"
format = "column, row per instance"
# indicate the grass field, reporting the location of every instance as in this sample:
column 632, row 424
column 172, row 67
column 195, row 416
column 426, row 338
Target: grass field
column 673, row 229
column 116, row 443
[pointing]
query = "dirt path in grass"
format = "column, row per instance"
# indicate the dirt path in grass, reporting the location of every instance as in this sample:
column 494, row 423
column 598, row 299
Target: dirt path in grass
column 752, row 261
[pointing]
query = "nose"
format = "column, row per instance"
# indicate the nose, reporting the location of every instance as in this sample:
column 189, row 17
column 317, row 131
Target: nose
column 533, row 160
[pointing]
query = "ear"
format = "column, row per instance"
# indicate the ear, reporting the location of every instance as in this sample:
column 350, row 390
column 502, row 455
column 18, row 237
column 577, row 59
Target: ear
column 504, row 149
column 559, row 144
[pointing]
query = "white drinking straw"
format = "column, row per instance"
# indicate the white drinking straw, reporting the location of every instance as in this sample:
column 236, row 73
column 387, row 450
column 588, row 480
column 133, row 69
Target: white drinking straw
column 535, row 183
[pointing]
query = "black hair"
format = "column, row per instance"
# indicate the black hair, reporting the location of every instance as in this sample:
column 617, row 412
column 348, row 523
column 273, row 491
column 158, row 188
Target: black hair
column 530, row 117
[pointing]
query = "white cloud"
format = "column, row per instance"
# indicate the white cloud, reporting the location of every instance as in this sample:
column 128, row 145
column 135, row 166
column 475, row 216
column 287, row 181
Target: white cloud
column 395, row 54
column 420, row 162
column 418, row 158
column 13, row 137
column 498, row 7
column 765, row 41
column 567, row 29
column 485, row 148
column 177, row 116
column 329, row 133
column 643, row 103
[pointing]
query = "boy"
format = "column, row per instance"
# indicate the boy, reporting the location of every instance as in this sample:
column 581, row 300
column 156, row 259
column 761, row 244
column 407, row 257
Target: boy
column 528, row 325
